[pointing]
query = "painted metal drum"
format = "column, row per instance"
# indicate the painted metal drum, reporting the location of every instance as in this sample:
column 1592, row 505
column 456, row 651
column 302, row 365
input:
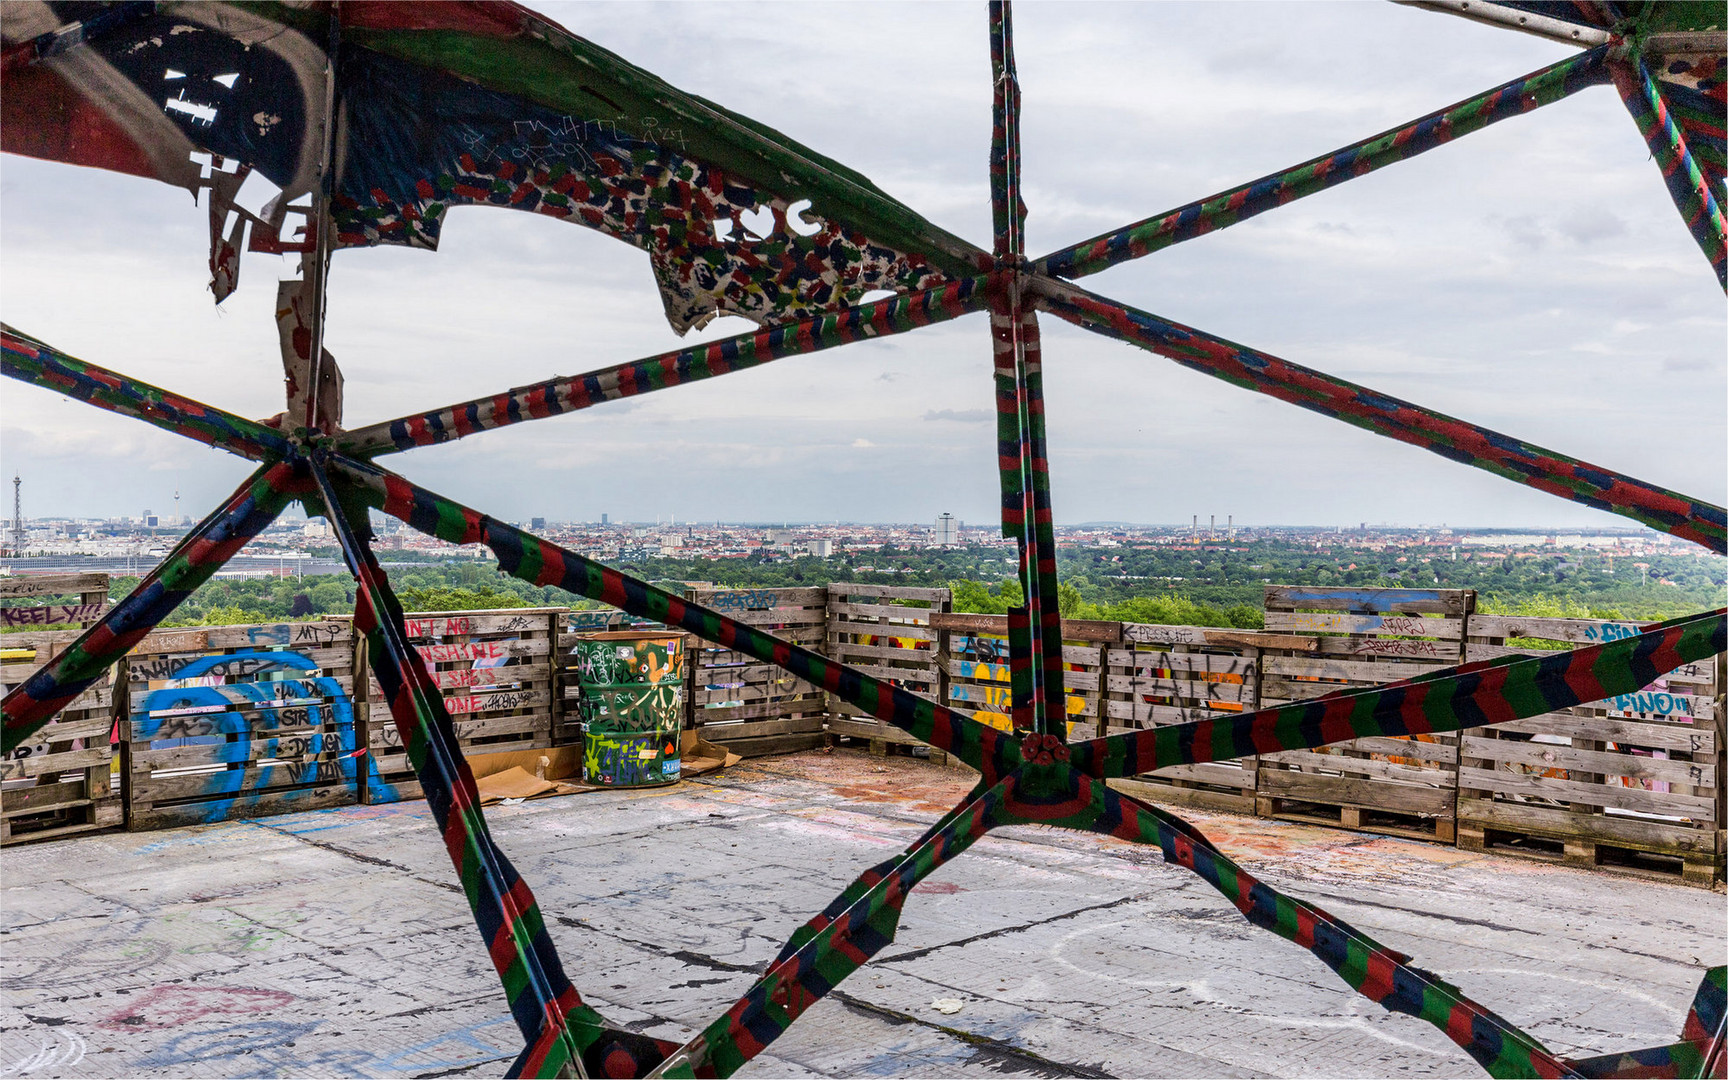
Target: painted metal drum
column 632, row 706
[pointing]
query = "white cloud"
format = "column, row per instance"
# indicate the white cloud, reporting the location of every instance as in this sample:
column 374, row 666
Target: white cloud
column 1467, row 279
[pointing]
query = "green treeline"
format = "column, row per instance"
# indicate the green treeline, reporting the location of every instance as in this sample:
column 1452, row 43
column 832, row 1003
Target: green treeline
column 1191, row 584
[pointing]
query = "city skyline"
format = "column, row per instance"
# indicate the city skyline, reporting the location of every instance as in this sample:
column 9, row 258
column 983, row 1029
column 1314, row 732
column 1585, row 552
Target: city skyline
column 1531, row 277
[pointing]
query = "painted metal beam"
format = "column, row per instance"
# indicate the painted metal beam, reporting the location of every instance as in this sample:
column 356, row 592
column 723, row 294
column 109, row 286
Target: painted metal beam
column 26, row 359
column 1545, row 470
column 198, row 555
column 1515, row 98
column 560, row 395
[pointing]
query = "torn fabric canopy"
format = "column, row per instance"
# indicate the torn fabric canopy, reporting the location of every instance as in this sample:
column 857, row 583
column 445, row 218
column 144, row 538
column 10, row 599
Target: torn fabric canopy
column 465, row 104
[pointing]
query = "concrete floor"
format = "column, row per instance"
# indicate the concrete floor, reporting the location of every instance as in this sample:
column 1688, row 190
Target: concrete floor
column 336, row 943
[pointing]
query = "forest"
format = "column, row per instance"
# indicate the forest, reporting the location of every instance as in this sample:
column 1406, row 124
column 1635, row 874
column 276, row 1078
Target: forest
column 1197, row 583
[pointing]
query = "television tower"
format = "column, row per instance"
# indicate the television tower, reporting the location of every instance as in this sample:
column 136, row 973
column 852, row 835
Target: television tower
column 17, row 515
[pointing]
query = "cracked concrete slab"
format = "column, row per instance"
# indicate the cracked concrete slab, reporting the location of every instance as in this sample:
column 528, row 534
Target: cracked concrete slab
column 338, row 943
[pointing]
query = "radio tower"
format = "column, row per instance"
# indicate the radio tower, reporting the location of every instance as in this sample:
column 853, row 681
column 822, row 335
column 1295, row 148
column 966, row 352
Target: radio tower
column 17, row 515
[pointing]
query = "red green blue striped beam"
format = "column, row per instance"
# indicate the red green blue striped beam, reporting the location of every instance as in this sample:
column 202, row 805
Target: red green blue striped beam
column 1680, row 171
column 1034, row 631
column 523, row 555
column 542, row 1000
column 865, row 918
column 1702, row 1050
column 1545, row 470
column 1478, row 694
column 801, row 978
column 1541, row 87
column 1063, row 797
column 24, row 358
column 554, row 397
column 203, row 551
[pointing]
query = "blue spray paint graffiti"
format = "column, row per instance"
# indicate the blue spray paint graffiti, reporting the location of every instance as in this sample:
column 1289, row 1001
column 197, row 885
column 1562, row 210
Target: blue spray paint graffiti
column 307, row 717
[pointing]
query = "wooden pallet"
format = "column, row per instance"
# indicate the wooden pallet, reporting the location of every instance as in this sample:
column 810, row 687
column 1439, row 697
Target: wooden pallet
column 747, row 706
column 1631, row 783
column 884, row 631
column 232, row 722
column 61, row 781
column 974, row 649
column 495, row 670
column 1162, row 675
column 1363, row 637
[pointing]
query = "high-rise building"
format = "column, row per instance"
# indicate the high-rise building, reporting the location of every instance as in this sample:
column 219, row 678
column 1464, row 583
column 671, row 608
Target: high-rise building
column 947, row 531
column 537, row 524
column 605, row 519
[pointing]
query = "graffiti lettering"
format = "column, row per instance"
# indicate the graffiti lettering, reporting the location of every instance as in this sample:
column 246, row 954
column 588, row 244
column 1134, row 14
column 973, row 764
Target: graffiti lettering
column 52, row 615
column 741, row 600
column 1610, row 632
column 1660, row 704
column 508, row 700
column 239, row 665
column 1397, row 648
column 418, row 628
column 464, row 650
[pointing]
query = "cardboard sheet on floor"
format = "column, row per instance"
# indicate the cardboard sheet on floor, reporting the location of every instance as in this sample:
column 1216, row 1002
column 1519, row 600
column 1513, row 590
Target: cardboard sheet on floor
column 557, row 770
column 701, row 756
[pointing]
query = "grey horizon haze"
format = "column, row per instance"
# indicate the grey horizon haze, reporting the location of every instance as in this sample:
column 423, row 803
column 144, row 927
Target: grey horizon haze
column 1532, row 277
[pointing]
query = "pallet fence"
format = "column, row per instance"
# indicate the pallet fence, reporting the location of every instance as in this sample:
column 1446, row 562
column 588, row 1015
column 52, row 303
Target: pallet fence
column 227, row 722
column 750, row 707
column 1162, row 675
column 497, row 674
column 1634, row 781
column 60, row 782
column 974, row 652
column 885, row 631
column 215, row 723
column 1363, row 637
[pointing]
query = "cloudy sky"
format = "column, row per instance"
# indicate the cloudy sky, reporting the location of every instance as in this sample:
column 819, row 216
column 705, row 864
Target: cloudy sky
column 1532, row 277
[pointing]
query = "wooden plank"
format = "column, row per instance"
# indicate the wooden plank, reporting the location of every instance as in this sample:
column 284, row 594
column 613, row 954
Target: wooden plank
column 1368, row 794
column 997, row 625
column 1356, row 671
column 21, row 585
column 1693, row 738
column 1605, row 795
column 459, row 624
column 750, row 729
column 1210, row 663
column 1560, row 823
column 44, row 797
column 1443, row 601
column 249, row 806
column 899, row 592
column 891, row 612
column 65, row 761
column 1157, row 634
column 731, row 601
column 51, row 614
column 720, row 714
column 1315, row 763
column 1303, row 622
column 1581, row 631
column 1142, row 685
column 453, row 651
column 1603, row 762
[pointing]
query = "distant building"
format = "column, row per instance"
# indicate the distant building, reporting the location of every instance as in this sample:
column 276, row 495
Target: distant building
column 536, row 523
column 947, row 531
column 605, row 519
column 822, row 549
column 780, row 537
